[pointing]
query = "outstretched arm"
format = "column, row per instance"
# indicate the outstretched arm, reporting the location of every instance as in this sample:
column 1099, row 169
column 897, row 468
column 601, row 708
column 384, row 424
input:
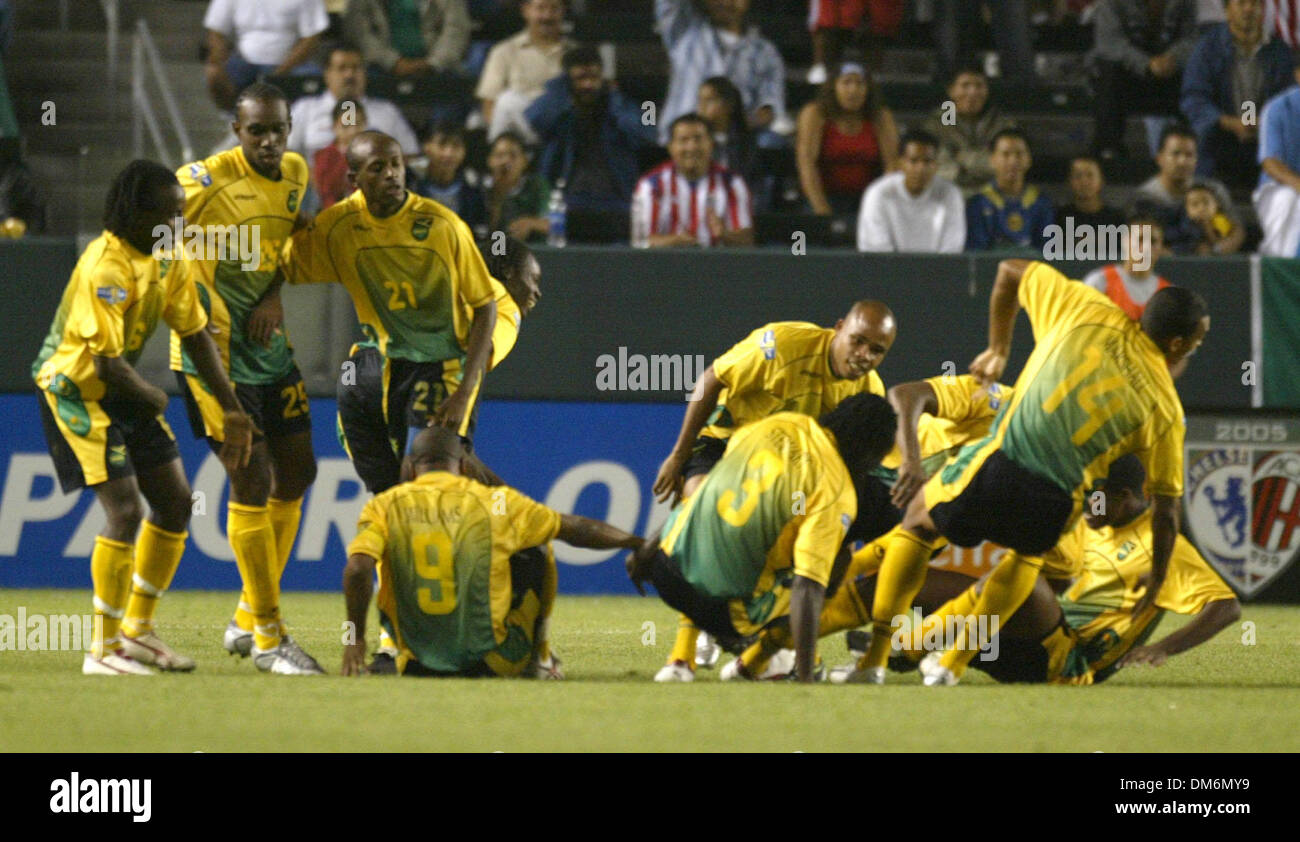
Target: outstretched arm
column 703, row 401
column 1209, row 621
column 1004, row 304
column 910, row 401
column 358, row 576
column 595, row 534
column 806, row 599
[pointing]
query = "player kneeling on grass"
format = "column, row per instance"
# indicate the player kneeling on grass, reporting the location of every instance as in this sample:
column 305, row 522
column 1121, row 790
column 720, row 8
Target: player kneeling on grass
column 104, row 424
column 757, row 540
column 466, row 581
column 1101, row 622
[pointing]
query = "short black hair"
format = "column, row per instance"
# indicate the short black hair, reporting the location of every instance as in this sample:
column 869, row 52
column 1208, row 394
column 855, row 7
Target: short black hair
column 1085, row 156
column 964, row 69
column 1172, row 312
column 1144, row 214
column 689, row 117
column 260, row 92
column 864, row 426
column 1011, row 132
column 134, row 189
column 1177, row 128
column 512, row 136
column 512, row 259
column 1126, row 473
column 332, row 47
column 919, row 136
column 444, row 127
column 581, row 55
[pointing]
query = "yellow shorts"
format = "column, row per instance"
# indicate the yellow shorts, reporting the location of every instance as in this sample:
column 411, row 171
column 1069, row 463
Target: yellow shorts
column 92, row 442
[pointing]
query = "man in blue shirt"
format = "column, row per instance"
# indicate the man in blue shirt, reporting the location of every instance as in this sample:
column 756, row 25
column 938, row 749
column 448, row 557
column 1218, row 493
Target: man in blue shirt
column 1277, row 199
column 1008, row 213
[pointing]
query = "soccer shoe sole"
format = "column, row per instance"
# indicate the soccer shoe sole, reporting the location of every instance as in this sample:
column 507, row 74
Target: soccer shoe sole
column 156, row 654
column 113, row 665
column 236, row 641
column 674, row 674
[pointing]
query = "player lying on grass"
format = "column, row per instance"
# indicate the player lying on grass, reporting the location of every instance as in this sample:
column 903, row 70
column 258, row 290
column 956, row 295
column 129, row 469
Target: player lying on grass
column 466, row 575
column 1095, row 387
column 758, row 539
column 254, row 188
column 781, row 367
column 1096, row 626
column 104, row 424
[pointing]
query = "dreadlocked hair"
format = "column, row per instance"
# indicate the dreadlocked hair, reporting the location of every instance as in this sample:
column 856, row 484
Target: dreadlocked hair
column 864, row 427
column 134, row 189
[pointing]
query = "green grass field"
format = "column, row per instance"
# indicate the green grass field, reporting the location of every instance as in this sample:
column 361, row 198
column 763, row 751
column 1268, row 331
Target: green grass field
column 1223, row 696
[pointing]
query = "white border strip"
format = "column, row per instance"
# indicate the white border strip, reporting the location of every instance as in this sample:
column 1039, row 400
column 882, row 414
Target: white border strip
column 1256, row 333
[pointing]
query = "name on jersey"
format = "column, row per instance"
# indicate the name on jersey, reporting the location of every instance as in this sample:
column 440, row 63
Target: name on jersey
column 240, row 244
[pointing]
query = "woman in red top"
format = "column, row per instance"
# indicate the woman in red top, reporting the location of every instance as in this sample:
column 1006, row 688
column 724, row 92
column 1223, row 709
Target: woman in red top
column 846, row 139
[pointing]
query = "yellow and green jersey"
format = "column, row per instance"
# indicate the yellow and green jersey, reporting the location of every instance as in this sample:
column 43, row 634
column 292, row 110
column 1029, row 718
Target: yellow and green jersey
column 778, row 504
column 781, row 367
column 1094, row 388
column 444, row 544
column 505, row 333
column 415, row 277
column 225, row 196
column 964, row 412
column 1099, row 605
column 110, row 307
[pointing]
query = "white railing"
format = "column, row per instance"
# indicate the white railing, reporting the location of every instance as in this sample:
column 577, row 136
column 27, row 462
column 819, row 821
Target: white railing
column 111, row 15
column 145, row 62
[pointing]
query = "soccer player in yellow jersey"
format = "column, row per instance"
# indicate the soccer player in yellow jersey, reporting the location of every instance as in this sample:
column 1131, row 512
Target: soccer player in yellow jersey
column 515, row 277
column 457, row 594
column 251, row 193
column 758, row 539
column 1095, row 387
column 425, row 301
column 104, row 424
column 780, row 367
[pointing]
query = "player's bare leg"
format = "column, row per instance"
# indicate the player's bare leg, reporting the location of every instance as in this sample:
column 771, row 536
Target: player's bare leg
column 110, row 573
column 158, row 553
column 681, row 660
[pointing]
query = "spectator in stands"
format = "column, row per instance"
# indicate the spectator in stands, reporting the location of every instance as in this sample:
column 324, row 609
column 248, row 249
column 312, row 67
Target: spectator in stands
column 447, row 181
column 846, row 139
column 914, row 209
column 1208, row 229
column 723, row 108
column 1136, row 63
column 249, row 39
column 22, row 207
column 329, row 166
column 1233, row 65
column 1008, row 213
column 710, row 39
column 1164, row 193
column 1131, row 282
column 518, row 68
column 1277, row 199
column 965, row 125
column 590, row 134
column 837, row 24
column 516, row 200
column 409, row 37
column 345, row 78
column 1086, row 206
column 691, row 200
column 956, row 25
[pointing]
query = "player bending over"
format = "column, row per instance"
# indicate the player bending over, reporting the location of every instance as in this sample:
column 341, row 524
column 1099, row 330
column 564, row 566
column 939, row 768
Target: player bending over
column 758, row 539
column 104, row 424
column 1095, row 387
column 456, row 594
column 781, row 367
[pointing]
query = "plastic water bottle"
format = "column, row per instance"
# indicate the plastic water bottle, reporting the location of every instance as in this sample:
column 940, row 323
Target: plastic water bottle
column 555, row 215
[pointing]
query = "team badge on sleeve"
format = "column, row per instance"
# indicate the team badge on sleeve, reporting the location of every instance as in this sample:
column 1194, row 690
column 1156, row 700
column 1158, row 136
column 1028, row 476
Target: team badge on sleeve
column 113, row 295
column 199, row 173
column 768, row 344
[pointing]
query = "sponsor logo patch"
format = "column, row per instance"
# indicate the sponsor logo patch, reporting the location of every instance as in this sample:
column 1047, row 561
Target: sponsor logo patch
column 113, row 295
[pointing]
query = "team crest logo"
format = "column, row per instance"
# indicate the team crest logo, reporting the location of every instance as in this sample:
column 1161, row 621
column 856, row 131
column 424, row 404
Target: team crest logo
column 420, row 227
column 292, row 201
column 1015, row 222
column 117, row 455
column 768, row 344
column 164, row 264
column 199, row 173
column 1243, row 510
column 113, row 294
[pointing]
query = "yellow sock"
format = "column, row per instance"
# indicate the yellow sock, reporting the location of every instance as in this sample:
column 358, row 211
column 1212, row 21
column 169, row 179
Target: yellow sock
column 253, row 540
column 770, row 641
column 110, row 572
column 285, row 516
column 902, row 572
column 684, row 645
column 843, row 611
column 932, row 626
column 157, row 555
column 867, row 560
column 1005, row 590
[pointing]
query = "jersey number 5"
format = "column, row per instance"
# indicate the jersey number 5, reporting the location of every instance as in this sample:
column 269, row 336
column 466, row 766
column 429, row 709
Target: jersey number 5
column 434, row 565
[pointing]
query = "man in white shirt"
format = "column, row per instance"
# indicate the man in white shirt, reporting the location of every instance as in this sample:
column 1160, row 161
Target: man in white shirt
column 913, row 209
column 1163, row 193
column 345, row 78
column 519, row 67
column 248, row 39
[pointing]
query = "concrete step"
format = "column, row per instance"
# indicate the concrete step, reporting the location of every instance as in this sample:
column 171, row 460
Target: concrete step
column 163, row 15
column 41, row 45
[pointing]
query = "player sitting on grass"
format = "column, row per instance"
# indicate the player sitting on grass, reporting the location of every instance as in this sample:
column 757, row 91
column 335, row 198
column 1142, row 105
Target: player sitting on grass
column 781, row 367
column 455, row 592
column 1095, row 387
column 104, row 424
column 1095, row 627
column 758, row 539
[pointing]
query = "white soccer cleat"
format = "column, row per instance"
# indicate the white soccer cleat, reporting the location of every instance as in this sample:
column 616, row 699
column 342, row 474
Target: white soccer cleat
column 149, row 649
column 853, row 675
column 237, row 641
column 286, row 659
column 707, row 651
column 113, row 663
column 731, row 672
column 676, row 672
column 548, row 670
column 935, row 674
